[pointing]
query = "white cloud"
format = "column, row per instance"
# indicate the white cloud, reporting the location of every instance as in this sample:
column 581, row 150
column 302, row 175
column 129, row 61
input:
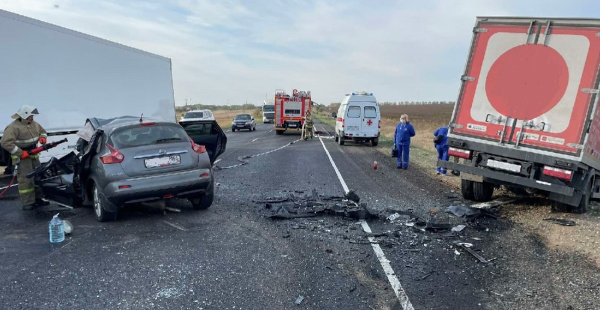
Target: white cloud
column 238, row 51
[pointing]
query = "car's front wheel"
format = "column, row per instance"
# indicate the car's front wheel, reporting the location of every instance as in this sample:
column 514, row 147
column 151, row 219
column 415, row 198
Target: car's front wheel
column 100, row 205
column 232, row 129
column 205, row 201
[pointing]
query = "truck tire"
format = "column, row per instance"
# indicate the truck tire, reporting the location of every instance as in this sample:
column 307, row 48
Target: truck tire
column 584, row 204
column 278, row 132
column 560, row 207
column 336, row 137
column 466, row 189
column 341, row 140
column 374, row 141
column 482, row 191
column 232, row 129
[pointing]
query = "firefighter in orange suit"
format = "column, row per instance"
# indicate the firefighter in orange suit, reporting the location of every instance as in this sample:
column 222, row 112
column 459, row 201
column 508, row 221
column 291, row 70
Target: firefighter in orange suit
column 21, row 136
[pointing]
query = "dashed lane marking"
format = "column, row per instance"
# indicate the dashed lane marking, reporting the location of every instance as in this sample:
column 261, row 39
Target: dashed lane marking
column 254, row 139
column 175, row 226
column 385, row 263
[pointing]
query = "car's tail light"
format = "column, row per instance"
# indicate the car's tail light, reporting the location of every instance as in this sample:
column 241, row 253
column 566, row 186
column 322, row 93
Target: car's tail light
column 559, row 173
column 343, row 122
column 379, row 124
column 459, row 153
column 198, row 148
column 115, row 157
column 148, row 124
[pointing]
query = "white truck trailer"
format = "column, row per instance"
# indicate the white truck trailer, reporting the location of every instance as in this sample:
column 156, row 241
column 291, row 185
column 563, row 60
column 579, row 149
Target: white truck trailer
column 526, row 115
column 70, row 76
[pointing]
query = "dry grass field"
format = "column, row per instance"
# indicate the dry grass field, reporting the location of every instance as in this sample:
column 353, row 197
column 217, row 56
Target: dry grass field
column 425, row 118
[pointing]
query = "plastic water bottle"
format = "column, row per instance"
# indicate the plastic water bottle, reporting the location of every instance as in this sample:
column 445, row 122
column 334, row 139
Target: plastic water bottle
column 57, row 230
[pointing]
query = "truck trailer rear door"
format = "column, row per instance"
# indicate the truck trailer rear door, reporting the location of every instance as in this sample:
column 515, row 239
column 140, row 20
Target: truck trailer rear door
column 530, row 83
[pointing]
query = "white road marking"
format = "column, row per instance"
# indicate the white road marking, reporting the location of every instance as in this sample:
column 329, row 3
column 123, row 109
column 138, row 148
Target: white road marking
column 175, row 226
column 2, row 188
column 271, row 130
column 254, row 139
column 385, row 263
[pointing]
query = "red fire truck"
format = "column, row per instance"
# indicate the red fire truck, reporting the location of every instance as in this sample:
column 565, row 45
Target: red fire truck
column 289, row 110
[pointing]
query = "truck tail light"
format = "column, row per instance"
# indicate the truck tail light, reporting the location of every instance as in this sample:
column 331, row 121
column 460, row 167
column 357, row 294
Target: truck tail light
column 379, row 124
column 558, row 173
column 459, row 153
column 198, row 148
column 115, row 157
column 343, row 122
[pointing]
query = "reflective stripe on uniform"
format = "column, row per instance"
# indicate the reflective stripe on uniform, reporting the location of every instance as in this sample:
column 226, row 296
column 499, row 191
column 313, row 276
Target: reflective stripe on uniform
column 25, row 191
column 35, row 139
column 14, row 150
column 44, row 135
column 34, row 156
column 14, row 157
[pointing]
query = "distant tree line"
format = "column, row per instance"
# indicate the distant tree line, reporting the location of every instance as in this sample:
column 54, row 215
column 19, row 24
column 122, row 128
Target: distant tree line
column 246, row 106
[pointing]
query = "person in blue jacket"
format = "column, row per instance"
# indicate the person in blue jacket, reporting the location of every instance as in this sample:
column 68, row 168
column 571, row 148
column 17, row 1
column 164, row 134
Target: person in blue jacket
column 404, row 130
column 440, row 142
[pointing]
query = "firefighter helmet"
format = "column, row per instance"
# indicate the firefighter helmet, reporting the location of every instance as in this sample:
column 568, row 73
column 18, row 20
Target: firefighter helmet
column 25, row 111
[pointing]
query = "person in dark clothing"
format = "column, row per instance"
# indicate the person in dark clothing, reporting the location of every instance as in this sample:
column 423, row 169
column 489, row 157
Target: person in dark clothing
column 404, row 131
column 440, row 142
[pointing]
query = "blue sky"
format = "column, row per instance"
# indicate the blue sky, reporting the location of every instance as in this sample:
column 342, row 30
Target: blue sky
column 233, row 52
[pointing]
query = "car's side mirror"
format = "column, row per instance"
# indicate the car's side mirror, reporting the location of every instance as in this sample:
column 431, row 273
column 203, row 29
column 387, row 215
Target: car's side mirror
column 252, row 118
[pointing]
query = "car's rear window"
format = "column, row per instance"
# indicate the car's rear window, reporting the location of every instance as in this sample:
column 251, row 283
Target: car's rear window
column 147, row 135
column 194, row 115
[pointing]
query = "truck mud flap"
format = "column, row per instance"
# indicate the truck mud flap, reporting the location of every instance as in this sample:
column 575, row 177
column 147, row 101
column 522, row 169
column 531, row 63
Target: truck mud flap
column 511, row 179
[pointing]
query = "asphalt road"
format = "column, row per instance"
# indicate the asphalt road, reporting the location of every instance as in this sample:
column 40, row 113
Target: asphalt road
column 232, row 256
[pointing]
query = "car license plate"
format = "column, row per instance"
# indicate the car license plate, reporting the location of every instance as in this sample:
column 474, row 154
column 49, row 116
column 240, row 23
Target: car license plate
column 350, row 128
column 162, row 161
column 240, row 125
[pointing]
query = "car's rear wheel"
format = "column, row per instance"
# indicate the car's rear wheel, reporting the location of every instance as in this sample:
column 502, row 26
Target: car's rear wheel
column 374, row 141
column 100, row 205
column 341, row 140
column 205, row 201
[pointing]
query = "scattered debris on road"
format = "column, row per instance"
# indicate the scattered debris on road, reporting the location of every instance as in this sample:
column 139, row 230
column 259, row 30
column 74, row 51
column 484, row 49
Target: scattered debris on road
column 467, row 247
column 470, row 212
column 562, row 222
column 299, row 300
column 311, row 205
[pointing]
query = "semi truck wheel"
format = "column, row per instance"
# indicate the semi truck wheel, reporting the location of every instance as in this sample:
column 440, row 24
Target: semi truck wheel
column 584, row 204
column 482, row 191
column 560, row 207
column 466, row 189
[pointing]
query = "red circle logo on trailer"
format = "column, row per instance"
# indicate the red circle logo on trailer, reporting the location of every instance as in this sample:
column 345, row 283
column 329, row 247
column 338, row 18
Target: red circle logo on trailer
column 527, row 81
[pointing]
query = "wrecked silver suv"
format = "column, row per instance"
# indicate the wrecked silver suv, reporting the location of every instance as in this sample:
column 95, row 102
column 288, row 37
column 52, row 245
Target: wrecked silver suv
column 130, row 161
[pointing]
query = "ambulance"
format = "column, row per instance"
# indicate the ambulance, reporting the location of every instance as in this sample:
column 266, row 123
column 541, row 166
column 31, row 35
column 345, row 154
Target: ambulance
column 358, row 119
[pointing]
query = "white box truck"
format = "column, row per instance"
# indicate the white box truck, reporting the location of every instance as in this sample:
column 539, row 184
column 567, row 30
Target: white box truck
column 526, row 114
column 70, row 76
